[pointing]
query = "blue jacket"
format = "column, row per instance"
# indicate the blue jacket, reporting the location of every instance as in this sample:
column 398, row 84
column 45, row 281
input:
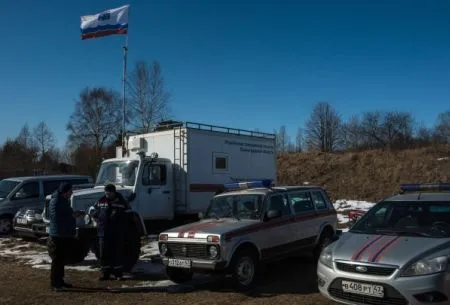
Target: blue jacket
column 62, row 222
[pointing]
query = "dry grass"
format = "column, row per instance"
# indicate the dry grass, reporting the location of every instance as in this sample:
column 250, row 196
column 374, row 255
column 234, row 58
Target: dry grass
column 369, row 175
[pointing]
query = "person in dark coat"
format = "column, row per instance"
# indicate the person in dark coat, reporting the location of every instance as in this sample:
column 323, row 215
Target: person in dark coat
column 62, row 233
column 110, row 213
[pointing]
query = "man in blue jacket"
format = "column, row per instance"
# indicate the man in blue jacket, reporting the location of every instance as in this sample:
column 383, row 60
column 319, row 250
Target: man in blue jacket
column 62, row 234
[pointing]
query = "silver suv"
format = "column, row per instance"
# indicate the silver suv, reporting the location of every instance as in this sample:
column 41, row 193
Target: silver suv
column 397, row 253
column 249, row 224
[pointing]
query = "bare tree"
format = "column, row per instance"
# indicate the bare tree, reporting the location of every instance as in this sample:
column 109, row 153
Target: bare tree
column 442, row 129
column 282, row 141
column 25, row 137
column 387, row 129
column 351, row 133
column 299, row 140
column 44, row 138
column 149, row 99
column 323, row 128
column 96, row 119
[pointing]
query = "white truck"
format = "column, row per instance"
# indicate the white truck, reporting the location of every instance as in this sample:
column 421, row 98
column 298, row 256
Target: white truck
column 171, row 174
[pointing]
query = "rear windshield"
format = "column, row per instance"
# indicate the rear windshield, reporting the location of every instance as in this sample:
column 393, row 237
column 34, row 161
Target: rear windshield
column 6, row 186
column 427, row 219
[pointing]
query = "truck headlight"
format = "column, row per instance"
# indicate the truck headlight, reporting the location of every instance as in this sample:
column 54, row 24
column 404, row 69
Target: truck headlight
column 163, row 249
column 326, row 257
column 427, row 266
column 213, row 251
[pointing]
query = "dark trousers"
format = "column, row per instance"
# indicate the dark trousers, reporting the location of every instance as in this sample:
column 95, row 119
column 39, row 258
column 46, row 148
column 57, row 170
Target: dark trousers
column 59, row 248
column 111, row 250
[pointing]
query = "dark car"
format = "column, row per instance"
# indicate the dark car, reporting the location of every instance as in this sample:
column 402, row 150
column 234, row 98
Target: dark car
column 28, row 221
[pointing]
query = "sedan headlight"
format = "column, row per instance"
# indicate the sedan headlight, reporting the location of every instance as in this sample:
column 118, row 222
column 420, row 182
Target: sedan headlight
column 427, row 266
column 326, row 257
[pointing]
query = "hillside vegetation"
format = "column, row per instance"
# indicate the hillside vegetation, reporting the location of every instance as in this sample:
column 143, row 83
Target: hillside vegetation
column 368, row 175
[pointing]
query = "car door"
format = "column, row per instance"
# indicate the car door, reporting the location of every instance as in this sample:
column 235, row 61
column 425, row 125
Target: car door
column 304, row 219
column 276, row 236
column 323, row 208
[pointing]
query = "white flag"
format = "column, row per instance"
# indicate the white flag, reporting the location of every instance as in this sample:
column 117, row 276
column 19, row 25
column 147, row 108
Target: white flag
column 110, row 22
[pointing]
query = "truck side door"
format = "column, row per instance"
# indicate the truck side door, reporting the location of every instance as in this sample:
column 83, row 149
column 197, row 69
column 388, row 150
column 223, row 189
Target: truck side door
column 155, row 192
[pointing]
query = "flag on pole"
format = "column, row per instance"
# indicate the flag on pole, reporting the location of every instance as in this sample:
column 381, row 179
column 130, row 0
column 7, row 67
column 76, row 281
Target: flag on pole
column 110, row 22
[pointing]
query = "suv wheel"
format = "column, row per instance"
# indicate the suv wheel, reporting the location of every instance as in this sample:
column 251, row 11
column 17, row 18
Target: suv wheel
column 245, row 269
column 5, row 225
column 178, row 275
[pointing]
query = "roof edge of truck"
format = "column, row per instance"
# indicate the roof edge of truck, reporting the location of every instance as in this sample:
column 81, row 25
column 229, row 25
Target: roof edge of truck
column 203, row 127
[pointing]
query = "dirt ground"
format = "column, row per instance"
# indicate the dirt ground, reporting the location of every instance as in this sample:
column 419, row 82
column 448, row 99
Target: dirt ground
column 289, row 282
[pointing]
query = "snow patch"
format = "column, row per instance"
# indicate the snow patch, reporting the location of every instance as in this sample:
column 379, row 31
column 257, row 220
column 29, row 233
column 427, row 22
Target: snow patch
column 344, row 205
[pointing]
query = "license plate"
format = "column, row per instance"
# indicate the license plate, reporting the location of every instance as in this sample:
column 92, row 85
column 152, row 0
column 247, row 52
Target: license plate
column 364, row 289
column 47, row 230
column 22, row 221
column 179, row 263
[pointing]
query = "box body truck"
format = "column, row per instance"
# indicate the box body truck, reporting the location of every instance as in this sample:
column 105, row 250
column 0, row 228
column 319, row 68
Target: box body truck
column 170, row 175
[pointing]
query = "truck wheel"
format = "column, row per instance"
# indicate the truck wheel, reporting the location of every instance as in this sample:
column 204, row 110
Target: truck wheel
column 245, row 269
column 5, row 225
column 132, row 246
column 132, row 254
column 94, row 249
column 178, row 275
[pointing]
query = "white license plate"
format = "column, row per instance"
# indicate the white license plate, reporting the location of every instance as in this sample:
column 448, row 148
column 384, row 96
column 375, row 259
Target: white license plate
column 179, row 263
column 364, row 289
column 47, row 230
column 22, row 221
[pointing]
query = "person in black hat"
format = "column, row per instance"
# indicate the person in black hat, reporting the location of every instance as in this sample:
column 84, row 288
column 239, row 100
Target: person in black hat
column 61, row 234
column 110, row 214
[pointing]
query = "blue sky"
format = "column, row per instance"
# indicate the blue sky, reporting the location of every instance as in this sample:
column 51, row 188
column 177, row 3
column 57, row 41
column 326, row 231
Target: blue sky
column 245, row 64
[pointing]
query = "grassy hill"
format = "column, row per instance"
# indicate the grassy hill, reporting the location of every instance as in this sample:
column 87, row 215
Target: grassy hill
column 368, row 175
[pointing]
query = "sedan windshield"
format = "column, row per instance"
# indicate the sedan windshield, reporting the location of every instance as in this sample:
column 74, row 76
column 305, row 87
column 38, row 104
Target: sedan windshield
column 6, row 186
column 426, row 219
column 237, row 206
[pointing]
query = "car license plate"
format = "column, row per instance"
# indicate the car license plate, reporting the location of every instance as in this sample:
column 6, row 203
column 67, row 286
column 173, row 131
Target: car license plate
column 179, row 263
column 47, row 230
column 22, row 221
column 364, row 289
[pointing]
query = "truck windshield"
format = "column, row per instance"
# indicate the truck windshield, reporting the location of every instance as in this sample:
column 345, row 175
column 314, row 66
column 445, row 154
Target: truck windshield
column 247, row 206
column 6, row 186
column 118, row 172
column 425, row 219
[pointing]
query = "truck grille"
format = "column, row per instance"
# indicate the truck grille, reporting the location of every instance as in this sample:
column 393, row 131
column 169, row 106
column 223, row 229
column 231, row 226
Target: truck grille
column 191, row 250
column 371, row 270
column 392, row 296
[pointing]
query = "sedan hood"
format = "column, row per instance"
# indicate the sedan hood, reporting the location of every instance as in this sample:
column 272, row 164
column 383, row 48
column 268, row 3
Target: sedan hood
column 385, row 249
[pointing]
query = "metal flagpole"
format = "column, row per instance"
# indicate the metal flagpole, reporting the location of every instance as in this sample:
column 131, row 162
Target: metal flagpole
column 124, row 79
